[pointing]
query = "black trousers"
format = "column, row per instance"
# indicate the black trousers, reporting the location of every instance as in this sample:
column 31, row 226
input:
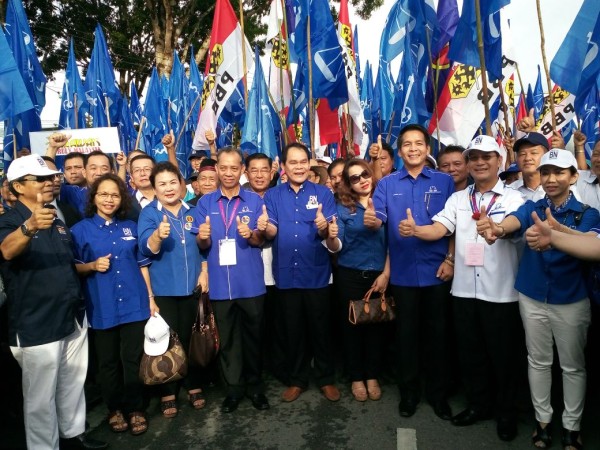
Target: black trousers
column 491, row 345
column 363, row 344
column 422, row 335
column 119, row 351
column 274, row 337
column 306, row 315
column 180, row 314
column 240, row 330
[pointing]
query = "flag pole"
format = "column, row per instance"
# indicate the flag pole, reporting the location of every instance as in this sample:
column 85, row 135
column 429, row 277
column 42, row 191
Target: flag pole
column 486, row 104
column 520, row 79
column 311, row 106
column 435, row 83
column 76, row 111
column 14, row 146
column 244, row 65
column 106, row 108
column 543, row 46
column 139, row 135
column 186, row 119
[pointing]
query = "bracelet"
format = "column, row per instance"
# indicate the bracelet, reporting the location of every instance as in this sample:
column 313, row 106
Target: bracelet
column 449, row 262
column 151, row 296
column 579, row 151
column 450, row 256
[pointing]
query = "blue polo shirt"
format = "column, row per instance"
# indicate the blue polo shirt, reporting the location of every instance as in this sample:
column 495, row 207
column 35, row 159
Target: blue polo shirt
column 413, row 262
column 118, row 295
column 553, row 276
column 362, row 248
column 176, row 267
column 300, row 260
column 246, row 278
column 76, row 196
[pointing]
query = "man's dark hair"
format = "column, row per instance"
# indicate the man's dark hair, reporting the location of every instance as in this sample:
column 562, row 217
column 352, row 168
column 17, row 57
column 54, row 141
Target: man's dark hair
column 74, row 155
column 451, row 149
column 388, row 148
column 140, row 157
column 336, row 162
column 230, row 150
column 414, row 127
column 98, row 153
column 298, row 145
column 255, row 156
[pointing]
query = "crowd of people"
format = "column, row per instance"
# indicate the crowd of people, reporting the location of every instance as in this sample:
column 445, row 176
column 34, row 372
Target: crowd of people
column 481, row 270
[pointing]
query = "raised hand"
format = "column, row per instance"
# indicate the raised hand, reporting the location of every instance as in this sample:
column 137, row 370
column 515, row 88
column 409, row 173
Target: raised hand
column 164, row 228
column 204, row 229
column 554, row 224
column 375, row 148
column 527, row 124
column 407, row 226
column 102, row 264
column 370, row 219
column 121, row 159
column 482, row 223
column 538, row 235
column 275, row 165
column 333, row 228
column 557, row 141
column 263, row 220
column 243, row 229
column 168, row 140
column 41, row 218
column 58, row 140
column 579, row 139
column 320, row 220
column 210, row 136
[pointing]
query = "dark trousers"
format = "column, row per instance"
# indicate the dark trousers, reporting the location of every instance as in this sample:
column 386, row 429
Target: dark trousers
column 119, row 351
column 491, row 344
column 363, row 344
column 180, row 314
column 422, row 336
column 240, row 330
column 273, row 342
column 306, row 315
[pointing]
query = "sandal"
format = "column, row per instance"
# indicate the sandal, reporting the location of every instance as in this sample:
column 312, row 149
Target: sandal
column 166, row 405
column 571, row 440
column 543, row 436
column 374, row 389
column 197, row 399
column 117, row 422
column 359, row 391
column 138, row 422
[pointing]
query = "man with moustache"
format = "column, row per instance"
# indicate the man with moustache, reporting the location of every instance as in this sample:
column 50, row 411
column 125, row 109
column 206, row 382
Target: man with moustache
column 451, row 161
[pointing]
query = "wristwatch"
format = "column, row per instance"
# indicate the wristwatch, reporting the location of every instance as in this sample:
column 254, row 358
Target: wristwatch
column 26, row 231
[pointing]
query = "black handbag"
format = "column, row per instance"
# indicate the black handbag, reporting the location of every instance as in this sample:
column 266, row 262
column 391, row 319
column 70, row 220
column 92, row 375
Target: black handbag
column 204, row 341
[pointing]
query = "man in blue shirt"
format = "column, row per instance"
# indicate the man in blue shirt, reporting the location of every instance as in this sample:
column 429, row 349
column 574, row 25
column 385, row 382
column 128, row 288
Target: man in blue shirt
column 419, row 271
column 298, row 217
column 227, row 231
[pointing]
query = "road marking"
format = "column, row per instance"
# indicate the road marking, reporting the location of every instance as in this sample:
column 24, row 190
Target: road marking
column 407, row 438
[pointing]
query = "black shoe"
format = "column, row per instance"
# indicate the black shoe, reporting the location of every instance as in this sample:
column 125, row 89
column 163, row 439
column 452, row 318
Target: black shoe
column 81, row 441
column 468, row 417
column 259, row 401
column 230, row 404
column 506, row 429
column 442, row 410
column 408, row 407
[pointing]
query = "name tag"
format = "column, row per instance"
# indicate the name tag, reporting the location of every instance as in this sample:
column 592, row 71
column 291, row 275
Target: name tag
column 474, row 253
column 227, row 252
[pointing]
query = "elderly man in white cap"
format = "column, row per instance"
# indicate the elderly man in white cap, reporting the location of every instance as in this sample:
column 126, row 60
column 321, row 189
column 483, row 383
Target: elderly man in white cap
column 47, row 325
column 486, row 311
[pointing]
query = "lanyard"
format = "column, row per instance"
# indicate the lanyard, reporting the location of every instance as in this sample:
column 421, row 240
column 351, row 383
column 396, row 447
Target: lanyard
column 225, row 222
column 476, row 213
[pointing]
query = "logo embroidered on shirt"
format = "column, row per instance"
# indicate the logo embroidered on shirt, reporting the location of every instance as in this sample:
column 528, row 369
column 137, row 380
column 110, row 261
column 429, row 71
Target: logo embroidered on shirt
column 245, row 220
column 313, row 202
column 189, row 219
column 127, row 232
column 245, row 209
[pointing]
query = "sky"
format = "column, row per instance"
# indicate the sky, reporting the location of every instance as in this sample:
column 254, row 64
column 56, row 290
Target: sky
column 556, row 17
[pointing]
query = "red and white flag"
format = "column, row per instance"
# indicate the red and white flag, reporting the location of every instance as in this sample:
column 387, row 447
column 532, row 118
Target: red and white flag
column 277, row 46
column 224, row 69
column 564, row 111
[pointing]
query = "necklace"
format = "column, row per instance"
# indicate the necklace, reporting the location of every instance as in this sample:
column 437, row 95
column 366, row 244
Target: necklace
column 182, row 234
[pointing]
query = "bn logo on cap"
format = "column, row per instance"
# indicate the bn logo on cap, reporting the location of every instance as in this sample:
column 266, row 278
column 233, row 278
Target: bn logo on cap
column 553, row 154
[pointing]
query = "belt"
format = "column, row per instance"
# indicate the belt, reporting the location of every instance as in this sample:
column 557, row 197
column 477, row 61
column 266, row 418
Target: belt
column 363, row 273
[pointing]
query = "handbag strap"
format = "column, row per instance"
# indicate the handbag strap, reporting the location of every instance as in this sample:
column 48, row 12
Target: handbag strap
column 368, row 295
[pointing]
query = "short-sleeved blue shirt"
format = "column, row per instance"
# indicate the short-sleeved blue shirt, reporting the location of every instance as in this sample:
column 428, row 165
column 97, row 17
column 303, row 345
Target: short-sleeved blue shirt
column 362, row 248
column 76, row 196
column 413, row 262
column 118, row 295
column 553, row 276
column 176, row 267
column 300, row 260
column 246, row 278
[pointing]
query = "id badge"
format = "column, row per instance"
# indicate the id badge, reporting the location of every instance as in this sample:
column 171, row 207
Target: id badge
column 474, row 253
column 227, row 255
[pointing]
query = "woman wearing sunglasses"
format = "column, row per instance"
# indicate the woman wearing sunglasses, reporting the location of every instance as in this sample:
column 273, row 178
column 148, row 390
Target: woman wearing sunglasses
column 363, row 265
column 118, row 296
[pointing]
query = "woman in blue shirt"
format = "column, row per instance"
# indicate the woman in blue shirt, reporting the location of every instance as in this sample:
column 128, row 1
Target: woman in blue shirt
column 363, row 265
column 553, row 300
column 118, row 294
column 168, row 238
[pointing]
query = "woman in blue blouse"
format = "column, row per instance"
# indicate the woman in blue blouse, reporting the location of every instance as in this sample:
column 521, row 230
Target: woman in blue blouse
column 363, row 265
column 119, row 300
column 167, row 238
column 553, row 300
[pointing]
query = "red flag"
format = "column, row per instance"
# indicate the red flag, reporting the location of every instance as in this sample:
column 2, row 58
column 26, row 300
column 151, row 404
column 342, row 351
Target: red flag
column 329, row 123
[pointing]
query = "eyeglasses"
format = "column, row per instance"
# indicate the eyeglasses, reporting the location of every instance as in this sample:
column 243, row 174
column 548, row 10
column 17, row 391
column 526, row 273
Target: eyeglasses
column 106, row 196
column 142, row 169
column 40, row 178
column 354, row 179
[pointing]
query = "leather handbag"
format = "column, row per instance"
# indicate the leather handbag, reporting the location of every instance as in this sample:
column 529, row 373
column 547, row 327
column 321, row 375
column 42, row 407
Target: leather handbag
column 370, row 310
column 204, row 341
column 170, row 366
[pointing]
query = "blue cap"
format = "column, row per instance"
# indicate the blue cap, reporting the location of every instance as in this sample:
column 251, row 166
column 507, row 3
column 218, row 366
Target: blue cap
column 532, row 138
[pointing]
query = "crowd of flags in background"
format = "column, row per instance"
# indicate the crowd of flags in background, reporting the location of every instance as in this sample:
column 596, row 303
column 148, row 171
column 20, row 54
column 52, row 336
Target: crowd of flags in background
column 438, row 83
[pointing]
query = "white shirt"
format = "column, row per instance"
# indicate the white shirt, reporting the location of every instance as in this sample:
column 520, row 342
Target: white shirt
column 528, row 193
column 588, row 189
column 495, row 280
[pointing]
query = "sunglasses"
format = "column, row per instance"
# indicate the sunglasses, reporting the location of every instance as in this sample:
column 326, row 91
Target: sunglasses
column 40, row 178
column 354, row 179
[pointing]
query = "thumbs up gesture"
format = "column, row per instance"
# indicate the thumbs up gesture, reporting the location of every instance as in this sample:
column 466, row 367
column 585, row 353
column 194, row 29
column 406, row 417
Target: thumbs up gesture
column 320, row 220
column 41, row 217
column 407, row 226
column 102, row 264
column 527, row 124
column 204, row 229
column 556, row 141
column 168, row 140
column 370, row 219
column 263, row 220
column 375, row 148
column 538, row 235
column 164, row 228
column 333, row 228
column 554, row 224
column 243, row 229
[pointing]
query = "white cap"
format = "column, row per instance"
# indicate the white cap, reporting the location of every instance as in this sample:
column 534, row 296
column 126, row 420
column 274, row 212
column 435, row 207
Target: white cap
column 156, row 333
column 483, row 143
column 559, row 158
column 325, row 159
column 28, row 165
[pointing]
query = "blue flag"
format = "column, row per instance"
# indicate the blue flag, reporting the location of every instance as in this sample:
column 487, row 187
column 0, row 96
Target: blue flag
column 14, row 98
column 357, row 57
column 590, row 117
column 224, row 133
column 127, row 133
column 579, row 49
column 258, row 134
column 366, row 101
column 155, row 125
column 101, row 88
column 300, row 95
column 447, row 16
column 134, row 104
column 529, row 100
column 386, row 89
column 196, row 83
column 538, row 96
column 376, row 119
column 328, row 69
column 591, row 67
column 177, row 102
column 73, row 95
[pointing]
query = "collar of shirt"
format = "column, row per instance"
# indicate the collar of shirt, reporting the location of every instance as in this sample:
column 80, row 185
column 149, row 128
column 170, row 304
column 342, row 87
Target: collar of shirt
column 426, row 172
column 572, row 205
column 588, row 176
column 497, row 189
column 159, row 205
column 241, row 194
column 101, row 222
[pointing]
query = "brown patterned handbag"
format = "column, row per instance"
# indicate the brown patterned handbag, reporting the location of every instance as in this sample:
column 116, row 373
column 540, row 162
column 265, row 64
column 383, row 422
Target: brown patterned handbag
column 170, row 366
column 370, row 310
